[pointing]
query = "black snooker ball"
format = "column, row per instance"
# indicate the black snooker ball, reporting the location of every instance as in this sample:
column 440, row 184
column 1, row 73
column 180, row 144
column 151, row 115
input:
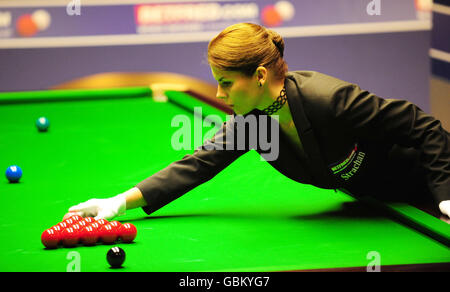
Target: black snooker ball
column 115, row 257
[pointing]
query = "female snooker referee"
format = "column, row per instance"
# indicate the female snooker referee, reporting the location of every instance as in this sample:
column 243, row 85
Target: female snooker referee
column 332, row 134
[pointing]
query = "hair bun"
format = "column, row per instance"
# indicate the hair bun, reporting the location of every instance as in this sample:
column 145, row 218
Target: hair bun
column 278, row 42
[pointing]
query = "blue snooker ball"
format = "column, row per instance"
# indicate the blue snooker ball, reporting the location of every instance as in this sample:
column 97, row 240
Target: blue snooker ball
column 13, row 173
column 42, row 124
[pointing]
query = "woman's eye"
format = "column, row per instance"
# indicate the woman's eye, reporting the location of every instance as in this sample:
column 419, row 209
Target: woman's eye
column 226, row 84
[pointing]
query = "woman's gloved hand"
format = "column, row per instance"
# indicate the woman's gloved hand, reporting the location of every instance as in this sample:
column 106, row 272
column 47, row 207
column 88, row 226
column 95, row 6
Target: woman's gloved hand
column 101, row 208
column 444, row 206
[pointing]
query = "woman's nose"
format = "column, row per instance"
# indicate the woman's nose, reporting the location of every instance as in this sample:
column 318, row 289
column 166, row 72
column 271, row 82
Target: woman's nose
column 220, row 93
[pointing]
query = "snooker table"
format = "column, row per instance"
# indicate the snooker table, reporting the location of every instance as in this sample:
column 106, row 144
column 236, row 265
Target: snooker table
column 249, row 218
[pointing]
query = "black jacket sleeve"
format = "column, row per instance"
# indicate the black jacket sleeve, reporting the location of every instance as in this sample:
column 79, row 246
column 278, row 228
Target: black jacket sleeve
column 398, row 122
column 182, row 176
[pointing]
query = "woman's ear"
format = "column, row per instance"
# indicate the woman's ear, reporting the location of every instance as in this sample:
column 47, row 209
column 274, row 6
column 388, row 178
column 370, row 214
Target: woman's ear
column 261, row 75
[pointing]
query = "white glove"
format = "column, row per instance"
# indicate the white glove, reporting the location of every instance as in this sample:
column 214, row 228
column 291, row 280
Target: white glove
column 444, row 206
column 101, row 208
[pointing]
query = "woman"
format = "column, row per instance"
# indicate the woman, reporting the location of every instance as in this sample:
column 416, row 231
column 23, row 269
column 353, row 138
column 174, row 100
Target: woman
column 332, row 134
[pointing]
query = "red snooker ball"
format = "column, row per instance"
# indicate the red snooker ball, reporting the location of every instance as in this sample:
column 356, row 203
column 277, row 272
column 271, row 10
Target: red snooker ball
column 77, row 227
column 82, row 224
column 102, row 221
column 116, row 224
column 57, row 228
column 69, row 222
column 77, row 218
column 89, row 220
column 108, row 234
column 50, row 238
column 72, row 215
column 63, row 225
column 89, row 235
column 95, row 225
column 70, row 237
column 128, row 232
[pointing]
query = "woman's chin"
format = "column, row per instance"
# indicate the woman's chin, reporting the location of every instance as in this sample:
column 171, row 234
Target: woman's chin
column 240, row 111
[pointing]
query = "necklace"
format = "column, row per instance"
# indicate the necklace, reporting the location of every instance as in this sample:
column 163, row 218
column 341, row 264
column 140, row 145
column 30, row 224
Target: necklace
column 277, row 104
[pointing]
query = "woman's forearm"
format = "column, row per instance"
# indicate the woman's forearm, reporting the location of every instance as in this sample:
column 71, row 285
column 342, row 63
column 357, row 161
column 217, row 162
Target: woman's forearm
column 134, row 199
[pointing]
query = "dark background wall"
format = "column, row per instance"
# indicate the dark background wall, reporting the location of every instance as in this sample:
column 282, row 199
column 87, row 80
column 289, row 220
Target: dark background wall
column 392, row 65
